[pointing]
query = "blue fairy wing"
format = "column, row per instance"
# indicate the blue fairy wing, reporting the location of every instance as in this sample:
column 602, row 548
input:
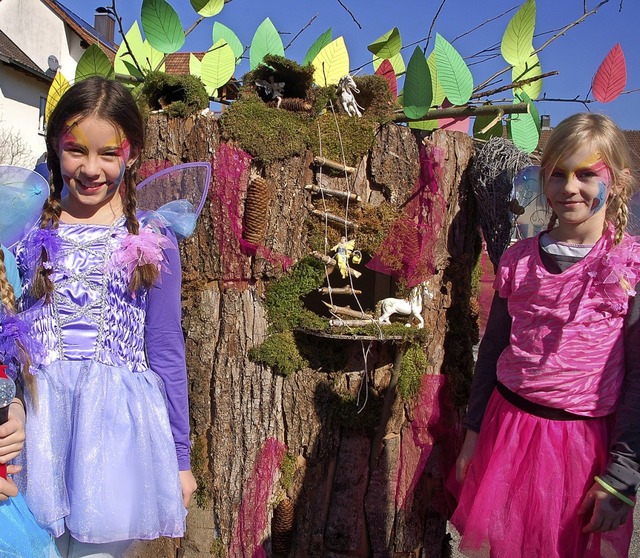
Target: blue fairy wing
column 23, row 194
column 527, row 185
column 178, row 193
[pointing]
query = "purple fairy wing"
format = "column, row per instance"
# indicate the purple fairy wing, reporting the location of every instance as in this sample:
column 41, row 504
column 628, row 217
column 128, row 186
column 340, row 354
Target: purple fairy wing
column 23, row 192
column 633, row 226
column 178, row 193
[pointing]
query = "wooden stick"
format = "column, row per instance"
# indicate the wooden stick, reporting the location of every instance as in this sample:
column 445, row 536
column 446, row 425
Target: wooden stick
column 335, row 193
column 346, row 311
column 453, row 112
column 339, row 290
column 350, row 323
column 330, row 261
column 334, row 218
column 333, row 165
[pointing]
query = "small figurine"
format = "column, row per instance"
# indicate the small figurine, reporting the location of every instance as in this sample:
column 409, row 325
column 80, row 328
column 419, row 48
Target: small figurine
column 343, row 251
column 405, row 307
column 273, row 88
column 346, row 88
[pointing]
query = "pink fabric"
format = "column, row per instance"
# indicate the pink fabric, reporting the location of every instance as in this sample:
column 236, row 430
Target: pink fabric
column 566, row 346
column 525, row 484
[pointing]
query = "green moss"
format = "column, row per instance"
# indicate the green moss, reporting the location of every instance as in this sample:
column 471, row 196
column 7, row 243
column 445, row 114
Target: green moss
column 375, row 98
column 198, row 467
column 413, row 366
column 218, row 549
column 280, row 353
column 178, row 95
column 288, row 469
column 297, row 79
column 356, row 416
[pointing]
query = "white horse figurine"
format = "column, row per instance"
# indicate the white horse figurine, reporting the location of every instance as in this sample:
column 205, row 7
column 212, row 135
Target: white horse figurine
column 346, row 88
column 405, row 307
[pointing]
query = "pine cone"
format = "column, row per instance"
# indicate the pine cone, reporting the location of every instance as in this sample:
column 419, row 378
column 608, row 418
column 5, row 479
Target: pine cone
column 282, row 528
column 259, row 194
column 292, row 104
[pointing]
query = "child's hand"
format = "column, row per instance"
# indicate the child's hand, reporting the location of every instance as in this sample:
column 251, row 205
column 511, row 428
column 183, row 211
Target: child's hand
column 8, row 488
column 466, row 455
column 607, row 511
column 189, row 485
column 12, row 433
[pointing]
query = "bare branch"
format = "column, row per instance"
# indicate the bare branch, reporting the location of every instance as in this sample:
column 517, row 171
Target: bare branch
column 114, row 11
column 513, row 85
column 487, row 21
column 433, row 23
column 349, row 12
column 301, row 31
column 472, row 110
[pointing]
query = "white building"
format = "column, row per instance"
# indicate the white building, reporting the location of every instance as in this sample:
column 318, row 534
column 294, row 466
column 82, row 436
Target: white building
column 36, row 38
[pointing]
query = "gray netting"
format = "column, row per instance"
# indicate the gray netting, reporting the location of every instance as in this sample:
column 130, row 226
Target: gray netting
column 491, row 177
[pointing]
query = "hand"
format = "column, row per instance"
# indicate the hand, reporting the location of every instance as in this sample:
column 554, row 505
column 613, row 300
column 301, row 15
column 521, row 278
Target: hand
column 607, row 511
column 8, row 488
column 466, row 455
column 12, row 433
column 189, row 485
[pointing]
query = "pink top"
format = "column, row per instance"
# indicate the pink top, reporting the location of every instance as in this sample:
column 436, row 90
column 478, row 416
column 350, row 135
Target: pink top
column 566, row 345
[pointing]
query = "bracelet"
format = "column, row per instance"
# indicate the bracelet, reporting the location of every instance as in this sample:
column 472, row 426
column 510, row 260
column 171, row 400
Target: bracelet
column 614, row 492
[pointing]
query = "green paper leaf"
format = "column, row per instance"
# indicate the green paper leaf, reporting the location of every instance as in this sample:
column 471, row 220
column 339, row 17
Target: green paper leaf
column 427, row 125
column 152, row 58
column 528, row 69
column 161, row 25
column 388, row 45
column 266, row 40
column 321, row 42
column 195, row 65
column 481, row 122
column 207, row 8
column 453, row 73
column 223, row 32
column 124, row 63
column 57, row 89
column 518, row 37
column 522, row 97
column 523, row 131
column 417, row 86
column 331, row 63
column 396, row 61
column 94, row 62
column 438, row 93
column 218, row 65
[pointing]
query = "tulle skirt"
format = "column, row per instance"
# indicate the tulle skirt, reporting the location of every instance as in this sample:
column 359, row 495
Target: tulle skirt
column 525, row 485
column 99, row 456
column 20, row 535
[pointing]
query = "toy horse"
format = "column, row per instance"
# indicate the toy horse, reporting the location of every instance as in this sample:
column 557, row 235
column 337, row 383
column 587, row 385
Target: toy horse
column 405, row 307
column 346, row 88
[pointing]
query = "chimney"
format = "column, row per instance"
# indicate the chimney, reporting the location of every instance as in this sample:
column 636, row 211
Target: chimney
column 104, row 24
column 545, row 121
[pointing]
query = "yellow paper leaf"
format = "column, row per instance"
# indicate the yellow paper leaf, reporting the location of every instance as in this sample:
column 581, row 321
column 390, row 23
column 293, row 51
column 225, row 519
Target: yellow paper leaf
column 530, row 68
column 58, row 88
column 331, row 63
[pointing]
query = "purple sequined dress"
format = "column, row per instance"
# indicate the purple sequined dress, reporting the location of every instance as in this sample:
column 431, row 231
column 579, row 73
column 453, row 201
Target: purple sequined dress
column 100, row 457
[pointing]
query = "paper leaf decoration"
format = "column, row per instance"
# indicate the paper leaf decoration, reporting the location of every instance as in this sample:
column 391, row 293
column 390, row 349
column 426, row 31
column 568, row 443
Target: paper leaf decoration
column 218, row 65
column 207, row 8
column 266, row 40
column 152, row 58
column 487, row 127
column 124, row 63
column 58, row 88
column 522, row 97
column 426, row 125
column 417, row 86
column 388, row 45
column 331, row 63
column 523, row 130
column 453, row 73
column 396, row 61
column 321, row 42
column 221, row 31
column 195, row 65
column 438, row 93
column 458, row 124
column 161, row 25
column 518, row 37
column 94, row 62
column 530, row 68
column 611, row 77
column 386, row 71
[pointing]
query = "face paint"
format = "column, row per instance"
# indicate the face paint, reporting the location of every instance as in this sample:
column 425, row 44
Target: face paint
column 599, row 201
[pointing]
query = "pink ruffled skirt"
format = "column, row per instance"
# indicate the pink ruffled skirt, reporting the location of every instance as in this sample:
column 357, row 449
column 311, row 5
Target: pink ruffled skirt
column 526, row 483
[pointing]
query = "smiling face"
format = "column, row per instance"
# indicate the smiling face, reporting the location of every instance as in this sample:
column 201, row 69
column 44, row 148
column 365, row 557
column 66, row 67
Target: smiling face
column 578, row 189
column 93, row 159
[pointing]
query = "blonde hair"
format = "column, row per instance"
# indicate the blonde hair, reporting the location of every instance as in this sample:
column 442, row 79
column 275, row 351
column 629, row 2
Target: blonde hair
column 602, row 135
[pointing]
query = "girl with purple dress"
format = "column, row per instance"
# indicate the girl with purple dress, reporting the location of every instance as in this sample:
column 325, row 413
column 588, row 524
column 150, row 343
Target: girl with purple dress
column 551, row 460
column 107, row 454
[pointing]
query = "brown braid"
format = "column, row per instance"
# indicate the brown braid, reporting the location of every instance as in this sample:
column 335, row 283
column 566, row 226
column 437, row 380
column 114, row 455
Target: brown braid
column 147, row 274
column 7, row 295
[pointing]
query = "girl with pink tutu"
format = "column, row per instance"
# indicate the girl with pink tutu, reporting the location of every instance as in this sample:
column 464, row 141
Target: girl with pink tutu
column 550, row 462
column 106, row 459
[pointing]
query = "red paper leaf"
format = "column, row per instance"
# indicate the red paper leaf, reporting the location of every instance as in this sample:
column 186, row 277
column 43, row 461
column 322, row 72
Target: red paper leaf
column 387, row 72
column 611, row 77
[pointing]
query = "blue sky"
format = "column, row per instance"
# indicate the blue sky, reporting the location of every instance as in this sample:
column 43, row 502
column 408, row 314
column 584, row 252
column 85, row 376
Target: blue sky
column 576, row 56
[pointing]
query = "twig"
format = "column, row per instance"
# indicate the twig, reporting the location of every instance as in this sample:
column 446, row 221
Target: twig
column 349, row 12
column 483, row 24
column 124, row 37
column 339, row 290
column 333, row 218
column 513, row 85
column 460, row 112
column 301, row 31
column 433, row 23
column 334, row 165
column 346, row 311
column 333, row 263
column 331, row 192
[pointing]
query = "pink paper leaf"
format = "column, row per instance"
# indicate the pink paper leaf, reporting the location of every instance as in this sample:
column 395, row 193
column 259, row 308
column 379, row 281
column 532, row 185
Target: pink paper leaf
column 611, row 77
column 387, row 72
column 460, row 124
